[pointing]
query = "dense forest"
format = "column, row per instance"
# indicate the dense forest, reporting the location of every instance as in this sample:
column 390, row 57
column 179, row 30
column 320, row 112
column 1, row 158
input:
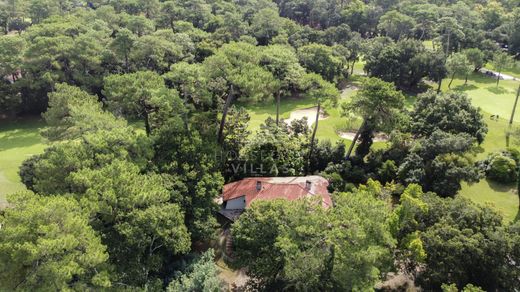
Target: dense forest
column 144, row 104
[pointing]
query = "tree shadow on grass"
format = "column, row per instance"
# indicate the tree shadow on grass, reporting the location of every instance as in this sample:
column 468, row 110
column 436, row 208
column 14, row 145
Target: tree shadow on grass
column 466, row 87
column 500, row 187
column 497, row 90
column 17, row 139
column 20, row 133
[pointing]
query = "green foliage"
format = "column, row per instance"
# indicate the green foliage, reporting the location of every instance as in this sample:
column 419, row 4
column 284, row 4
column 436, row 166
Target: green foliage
column 143, row 95
column 10, row 98
column 404, row 62
column 282, row 62
column 273, row 151
column 453, row 288
column 451, row 112
column 501, row 61
column 379, row 104
column 476, row 57
column 202, row 275
column 266, row 24
column 514, row 32
column 440, row 163
column 52, row 170
column 73, row 112
column 464, row 243
column 458, row 64
column 173, row 64
column 46, row 243
column 320, row 59
column 191, row 83
column 501, row 167
column 132, row 211
column 237, row 65
column 187, row 163
column 11, row 50
column 396, row 24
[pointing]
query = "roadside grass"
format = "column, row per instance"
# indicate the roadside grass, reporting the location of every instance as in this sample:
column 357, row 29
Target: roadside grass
column 18, row 141
column 513, row 71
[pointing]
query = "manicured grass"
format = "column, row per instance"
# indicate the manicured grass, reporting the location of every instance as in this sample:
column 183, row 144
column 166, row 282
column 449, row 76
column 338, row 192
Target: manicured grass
column 503, row 198
column 492, row 100
column 327, row 129
column 259, row 112
column 485, row 94
column 513, row 71
column 18, row 141
column 496, row 138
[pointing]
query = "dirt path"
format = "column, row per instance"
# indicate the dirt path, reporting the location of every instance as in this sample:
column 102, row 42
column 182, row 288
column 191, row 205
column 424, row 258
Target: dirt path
column 310, row 113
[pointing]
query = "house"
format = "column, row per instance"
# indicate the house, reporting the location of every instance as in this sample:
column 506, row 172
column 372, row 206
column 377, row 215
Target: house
column 238, row 196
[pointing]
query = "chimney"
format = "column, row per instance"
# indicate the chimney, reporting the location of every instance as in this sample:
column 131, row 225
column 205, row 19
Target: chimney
column 308, row 185
column 258, row 185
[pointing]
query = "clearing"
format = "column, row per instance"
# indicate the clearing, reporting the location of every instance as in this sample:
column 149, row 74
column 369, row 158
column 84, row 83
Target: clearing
column 18, row 141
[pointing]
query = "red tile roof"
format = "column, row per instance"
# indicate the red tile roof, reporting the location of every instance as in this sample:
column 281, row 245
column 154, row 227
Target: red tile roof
column 290, row 188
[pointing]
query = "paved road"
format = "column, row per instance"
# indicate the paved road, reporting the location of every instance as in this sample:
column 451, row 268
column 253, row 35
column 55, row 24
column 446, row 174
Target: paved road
column 502, row 75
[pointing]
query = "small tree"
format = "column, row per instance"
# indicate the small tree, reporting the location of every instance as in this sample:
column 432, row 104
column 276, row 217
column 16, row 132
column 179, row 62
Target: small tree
column 458, row 64
column 378, row 103
column 476, row 57
column 323, row 92
column 501, row 61
column 201, row 275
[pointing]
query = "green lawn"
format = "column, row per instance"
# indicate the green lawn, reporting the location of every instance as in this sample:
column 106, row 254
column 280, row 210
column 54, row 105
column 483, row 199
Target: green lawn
column 18, row 141
column 486, row 95
column 513, row 71
column 503, row 198
column 492, row 100
column 327, row 129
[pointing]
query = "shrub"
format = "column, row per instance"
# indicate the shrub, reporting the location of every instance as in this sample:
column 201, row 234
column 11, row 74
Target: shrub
column 502, row 169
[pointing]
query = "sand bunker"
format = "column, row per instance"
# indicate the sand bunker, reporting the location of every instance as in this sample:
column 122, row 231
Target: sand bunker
column 310, row 113
column 379, row 137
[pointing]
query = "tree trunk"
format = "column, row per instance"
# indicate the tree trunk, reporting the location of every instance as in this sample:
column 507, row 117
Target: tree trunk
column 352, row 68
column 498, row 77
column 229, row 101
column 439, row 87
column 313, row 137
column 127, row 65
column 185, row 117
column 448, row 45
column 278, row 107
column 356, row 137
column 147, row 123
column 451, row 81
column 518, row 190
column 514, row 107
column 466, row 82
